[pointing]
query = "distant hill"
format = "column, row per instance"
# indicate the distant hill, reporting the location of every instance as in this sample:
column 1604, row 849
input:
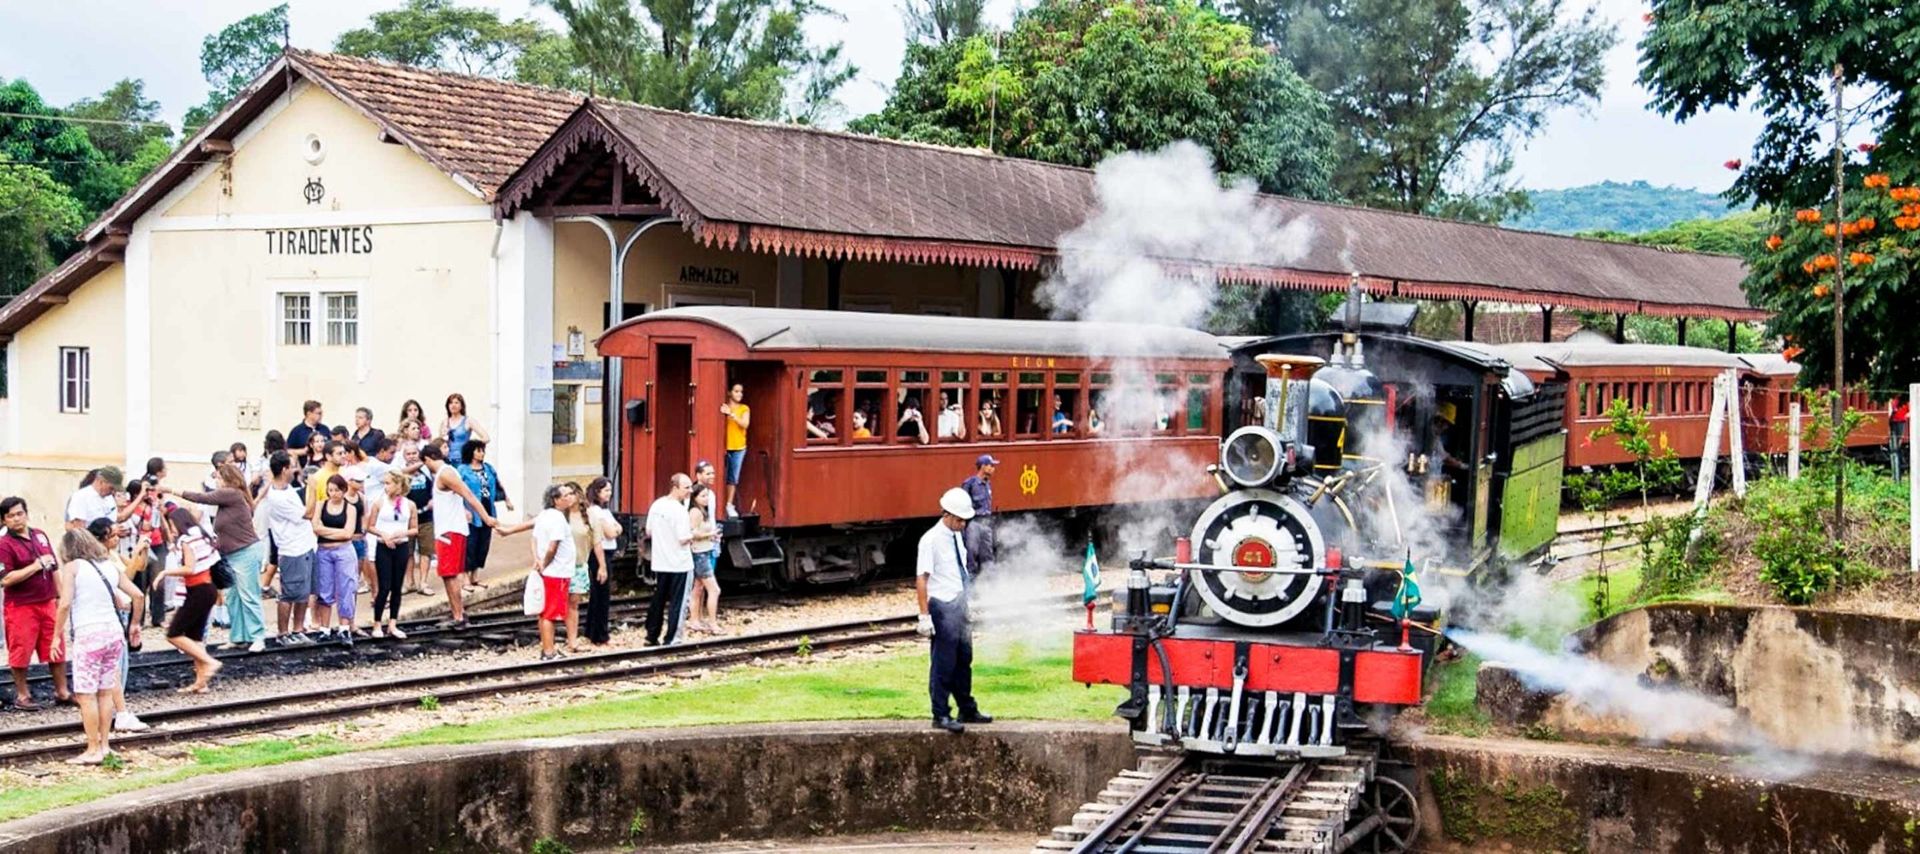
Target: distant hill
column 1616, row 207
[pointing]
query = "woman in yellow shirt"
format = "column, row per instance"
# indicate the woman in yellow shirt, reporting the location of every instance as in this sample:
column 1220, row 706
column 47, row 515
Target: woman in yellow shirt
column 738, row 417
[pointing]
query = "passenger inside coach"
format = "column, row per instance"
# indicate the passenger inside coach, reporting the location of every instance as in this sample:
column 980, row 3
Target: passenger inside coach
column 989, row 417
column 912, row 423
column 951, row 423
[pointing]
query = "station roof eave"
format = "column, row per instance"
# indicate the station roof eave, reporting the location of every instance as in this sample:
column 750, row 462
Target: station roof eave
column 805, row 192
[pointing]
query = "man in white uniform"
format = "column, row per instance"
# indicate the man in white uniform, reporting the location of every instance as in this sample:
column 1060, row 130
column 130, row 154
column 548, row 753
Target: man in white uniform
column 944, row 586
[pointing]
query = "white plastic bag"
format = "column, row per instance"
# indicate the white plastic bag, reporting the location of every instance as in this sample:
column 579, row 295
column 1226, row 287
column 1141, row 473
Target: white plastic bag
column 534, row 600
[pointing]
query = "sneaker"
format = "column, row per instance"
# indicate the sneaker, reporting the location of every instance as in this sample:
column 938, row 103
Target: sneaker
column 257, row 646
column 733, row 512
column 379, row 632
column 128, row 722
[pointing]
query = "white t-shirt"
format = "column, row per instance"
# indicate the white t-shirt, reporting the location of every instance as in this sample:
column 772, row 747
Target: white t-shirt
column 87, row 505
column 942, row 557
column 287, row 522
column 672, row 535
column 548, row 528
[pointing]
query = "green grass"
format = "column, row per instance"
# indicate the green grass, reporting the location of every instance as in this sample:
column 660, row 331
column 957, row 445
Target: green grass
column 1450, row 707
column 20, row 802
column 1012, row 681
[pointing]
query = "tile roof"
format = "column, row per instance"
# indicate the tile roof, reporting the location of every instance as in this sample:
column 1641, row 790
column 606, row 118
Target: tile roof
column 803, row 190
column 477, row 128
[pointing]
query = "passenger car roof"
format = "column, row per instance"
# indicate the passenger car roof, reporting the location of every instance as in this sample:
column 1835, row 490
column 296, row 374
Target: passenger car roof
column 789, row 329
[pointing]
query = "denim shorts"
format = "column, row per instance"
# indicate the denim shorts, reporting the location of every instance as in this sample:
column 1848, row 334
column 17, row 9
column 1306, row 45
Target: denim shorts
column 703, row 563
column 735, row 461
column 296, row 577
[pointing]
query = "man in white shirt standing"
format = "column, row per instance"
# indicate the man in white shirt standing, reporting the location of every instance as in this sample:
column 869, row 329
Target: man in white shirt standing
column 671, row 532
column 293, row 535
column 94, row 500
column 944, row 586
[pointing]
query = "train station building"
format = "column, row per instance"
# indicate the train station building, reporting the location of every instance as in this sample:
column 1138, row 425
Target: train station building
column 363, row 234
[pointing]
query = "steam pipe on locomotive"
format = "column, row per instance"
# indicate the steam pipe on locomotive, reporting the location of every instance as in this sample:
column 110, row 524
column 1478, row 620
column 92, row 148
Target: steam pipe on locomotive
column 1253, row 667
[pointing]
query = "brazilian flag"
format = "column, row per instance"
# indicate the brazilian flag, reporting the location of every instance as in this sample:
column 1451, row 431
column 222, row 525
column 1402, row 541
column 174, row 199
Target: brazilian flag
column 1408, row 598
column 1090, row 573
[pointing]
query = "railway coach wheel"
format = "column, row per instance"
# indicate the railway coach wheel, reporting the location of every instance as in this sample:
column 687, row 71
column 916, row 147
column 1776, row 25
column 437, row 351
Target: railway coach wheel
column 1399, row 814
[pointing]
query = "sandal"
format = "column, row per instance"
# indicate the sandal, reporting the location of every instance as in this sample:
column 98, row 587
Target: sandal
column 25, row 706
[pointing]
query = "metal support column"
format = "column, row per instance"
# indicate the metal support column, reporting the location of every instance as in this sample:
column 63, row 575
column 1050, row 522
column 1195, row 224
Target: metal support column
column 1733, row 340
column 1682, row 331
column 1546, row 324
column 1620, row 328
column 1471, row 306
column 610, row 397
column 834, row 268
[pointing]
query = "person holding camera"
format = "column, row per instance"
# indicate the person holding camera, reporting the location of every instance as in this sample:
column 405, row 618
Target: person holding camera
column 27, row 568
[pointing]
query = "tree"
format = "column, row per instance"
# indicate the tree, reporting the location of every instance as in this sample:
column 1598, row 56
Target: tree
column 1780, row 59
column 740, row 58
column 1431, row 96
column 121, row 120
column 943, row 21
column 231, row 58
column 439, row 34
column 1077, row 80
column 37, row 214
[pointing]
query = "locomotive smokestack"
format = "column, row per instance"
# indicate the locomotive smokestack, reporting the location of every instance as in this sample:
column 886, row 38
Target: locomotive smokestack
column 1286, row 399
column 1350, row 354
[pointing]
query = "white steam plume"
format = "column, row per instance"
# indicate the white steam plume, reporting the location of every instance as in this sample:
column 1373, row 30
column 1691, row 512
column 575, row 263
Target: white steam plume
column 1163, row 224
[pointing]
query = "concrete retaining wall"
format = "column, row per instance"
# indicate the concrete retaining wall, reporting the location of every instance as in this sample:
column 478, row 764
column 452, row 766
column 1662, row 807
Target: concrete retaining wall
column 1490, row 795
column 1814, row 681
column 660, row 787
column 648, row 788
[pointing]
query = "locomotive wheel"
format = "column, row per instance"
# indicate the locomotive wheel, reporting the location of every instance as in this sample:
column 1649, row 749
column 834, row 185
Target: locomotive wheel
column 1399, row 814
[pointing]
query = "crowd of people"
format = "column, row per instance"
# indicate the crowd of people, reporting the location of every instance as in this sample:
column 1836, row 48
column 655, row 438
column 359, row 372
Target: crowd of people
column 278, row 547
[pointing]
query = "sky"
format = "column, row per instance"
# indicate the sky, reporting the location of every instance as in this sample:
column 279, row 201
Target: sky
column 77, row 48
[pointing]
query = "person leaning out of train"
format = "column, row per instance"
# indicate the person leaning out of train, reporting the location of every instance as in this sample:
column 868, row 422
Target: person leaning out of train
column 943, row 587
column 913, row 422
column 989, row 417
column 951, row 424
column 739, row 417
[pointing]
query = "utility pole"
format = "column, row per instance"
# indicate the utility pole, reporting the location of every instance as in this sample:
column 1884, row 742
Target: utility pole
column 1839, row 306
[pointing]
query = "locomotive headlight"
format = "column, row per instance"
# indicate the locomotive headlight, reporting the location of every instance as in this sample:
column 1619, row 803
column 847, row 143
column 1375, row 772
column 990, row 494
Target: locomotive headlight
column 1252, row 456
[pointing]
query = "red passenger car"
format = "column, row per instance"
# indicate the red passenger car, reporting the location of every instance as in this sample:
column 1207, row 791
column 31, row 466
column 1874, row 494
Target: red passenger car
column 1767, row 398
column 823, row 500
column 1673, row 385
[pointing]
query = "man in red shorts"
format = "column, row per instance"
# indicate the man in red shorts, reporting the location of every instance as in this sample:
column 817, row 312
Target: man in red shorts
column 450, row 501
column 26, row 572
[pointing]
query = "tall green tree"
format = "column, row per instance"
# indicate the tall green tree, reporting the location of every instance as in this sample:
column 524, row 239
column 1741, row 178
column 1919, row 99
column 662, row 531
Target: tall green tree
column 121, row 120
column 943, row 21
column 440, row 34
column 1077, row 80
column 1432, row 96
column 1779, row 59
column 740, row 58
column 231, row 58
column 38, row 217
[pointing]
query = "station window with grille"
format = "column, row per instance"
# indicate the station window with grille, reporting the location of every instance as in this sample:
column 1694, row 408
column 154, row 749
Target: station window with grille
column 343, row 320
column 296, row 320
column 76, row 379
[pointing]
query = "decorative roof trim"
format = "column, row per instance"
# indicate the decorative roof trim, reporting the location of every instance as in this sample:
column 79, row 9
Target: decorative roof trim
column 586, row 125
column 853, row 247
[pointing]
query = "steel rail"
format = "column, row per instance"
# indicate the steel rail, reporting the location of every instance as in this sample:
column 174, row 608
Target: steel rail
column 1103, row 833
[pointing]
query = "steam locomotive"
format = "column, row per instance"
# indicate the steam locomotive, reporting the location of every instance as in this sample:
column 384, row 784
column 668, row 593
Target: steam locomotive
column 1278, row 628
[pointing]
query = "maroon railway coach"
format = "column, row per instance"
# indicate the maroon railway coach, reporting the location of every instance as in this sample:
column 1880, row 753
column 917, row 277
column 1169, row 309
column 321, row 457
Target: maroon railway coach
column 818, row 503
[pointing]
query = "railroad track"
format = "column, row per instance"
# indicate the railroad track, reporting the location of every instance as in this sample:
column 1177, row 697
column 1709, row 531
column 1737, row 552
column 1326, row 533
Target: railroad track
column 258, row 714
column 167, row 668
column 1209, row 804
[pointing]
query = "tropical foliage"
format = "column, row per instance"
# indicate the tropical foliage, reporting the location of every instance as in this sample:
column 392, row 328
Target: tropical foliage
column 1077, row 80
column 1615, row 207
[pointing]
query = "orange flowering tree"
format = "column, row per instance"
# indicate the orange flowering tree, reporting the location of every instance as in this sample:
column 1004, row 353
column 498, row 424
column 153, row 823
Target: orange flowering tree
column 1792, row 272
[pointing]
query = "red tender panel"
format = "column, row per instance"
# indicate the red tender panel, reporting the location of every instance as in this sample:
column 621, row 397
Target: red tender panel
column 1387, row 677
column 1196, row 663
column 1278, row 667
column 1102, row 659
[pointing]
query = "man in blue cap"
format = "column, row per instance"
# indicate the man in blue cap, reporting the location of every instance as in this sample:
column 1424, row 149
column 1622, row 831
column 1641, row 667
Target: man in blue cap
column 979, row 533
